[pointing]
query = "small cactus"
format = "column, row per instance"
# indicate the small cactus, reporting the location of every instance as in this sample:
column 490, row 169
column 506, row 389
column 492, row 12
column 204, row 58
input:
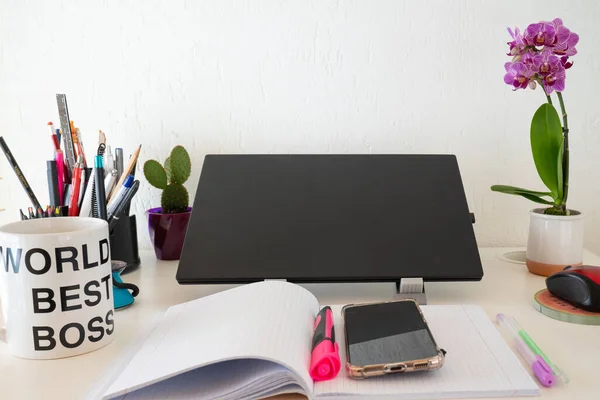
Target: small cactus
column 170, row 179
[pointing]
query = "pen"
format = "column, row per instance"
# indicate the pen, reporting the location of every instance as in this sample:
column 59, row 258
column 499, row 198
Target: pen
column 109, row 163
column 519, row 335
column 51, row 127
column 52, row 174
column 53, row 137
column 119, row 161
column 30, row 212
column 85, row 178
column 325, row 358
column 128, row 170
column 120, row 194
column 19, row 173
column 540, row 368
column 67, row 195
column 99, row 185
column 109, row 181
column 89, row 198
column 114, row 218
column 58, row 135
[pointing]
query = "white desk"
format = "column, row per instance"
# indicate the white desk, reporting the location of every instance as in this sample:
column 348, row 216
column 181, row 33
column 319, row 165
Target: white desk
column 505, row 288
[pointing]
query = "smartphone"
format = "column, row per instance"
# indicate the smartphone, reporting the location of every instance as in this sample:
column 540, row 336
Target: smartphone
column 387, row 338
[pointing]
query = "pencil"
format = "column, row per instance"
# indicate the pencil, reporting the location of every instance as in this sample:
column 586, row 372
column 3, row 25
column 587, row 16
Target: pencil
column 127, row 171
column 19, row 173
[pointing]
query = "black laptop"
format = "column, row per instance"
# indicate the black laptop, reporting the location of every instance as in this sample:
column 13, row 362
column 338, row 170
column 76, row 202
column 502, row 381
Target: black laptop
column 329, row 218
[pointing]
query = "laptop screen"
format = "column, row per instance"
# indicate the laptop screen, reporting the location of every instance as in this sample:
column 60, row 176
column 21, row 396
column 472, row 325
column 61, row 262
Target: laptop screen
column 329, row 218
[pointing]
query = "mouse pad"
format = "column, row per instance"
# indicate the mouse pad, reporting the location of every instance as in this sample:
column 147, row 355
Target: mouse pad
column 556, row 308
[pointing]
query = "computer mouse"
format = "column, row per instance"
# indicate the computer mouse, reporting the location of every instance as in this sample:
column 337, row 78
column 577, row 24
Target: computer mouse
column 579, row 286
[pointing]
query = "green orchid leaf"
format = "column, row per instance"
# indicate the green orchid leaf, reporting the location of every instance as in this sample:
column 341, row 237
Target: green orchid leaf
column 535, row 199
column 517, row 190
column 546, row 138
column 528, row 194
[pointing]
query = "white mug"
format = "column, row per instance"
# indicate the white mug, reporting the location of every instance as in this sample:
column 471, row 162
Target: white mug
column 56, row 287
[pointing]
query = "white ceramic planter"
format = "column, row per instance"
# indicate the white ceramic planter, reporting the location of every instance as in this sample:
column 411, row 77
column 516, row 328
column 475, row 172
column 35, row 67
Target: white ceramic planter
column 554, row 242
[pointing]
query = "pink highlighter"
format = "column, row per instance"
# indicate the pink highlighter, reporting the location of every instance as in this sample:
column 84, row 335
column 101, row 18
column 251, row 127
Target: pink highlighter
column 325, row 358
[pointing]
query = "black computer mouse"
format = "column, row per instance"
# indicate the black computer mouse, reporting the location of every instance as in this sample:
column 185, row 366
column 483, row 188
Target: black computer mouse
column 579, row 286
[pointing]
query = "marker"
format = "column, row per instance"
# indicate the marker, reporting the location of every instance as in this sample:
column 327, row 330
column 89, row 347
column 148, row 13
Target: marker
column 539, row 363
column 325, row 357
column 60, row 168
column 52, row 176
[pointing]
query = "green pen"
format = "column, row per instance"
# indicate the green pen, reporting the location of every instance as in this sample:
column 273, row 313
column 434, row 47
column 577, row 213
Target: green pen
column 514, row 326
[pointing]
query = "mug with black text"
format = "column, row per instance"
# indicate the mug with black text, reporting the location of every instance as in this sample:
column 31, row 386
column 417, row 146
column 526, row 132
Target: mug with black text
column 56, row 287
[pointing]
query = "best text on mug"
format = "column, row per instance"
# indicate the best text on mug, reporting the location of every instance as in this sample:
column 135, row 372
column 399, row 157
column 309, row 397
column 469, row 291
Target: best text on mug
column 56, row 286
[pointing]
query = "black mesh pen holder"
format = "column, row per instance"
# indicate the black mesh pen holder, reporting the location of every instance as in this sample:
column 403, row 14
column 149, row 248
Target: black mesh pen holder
column 124, row 242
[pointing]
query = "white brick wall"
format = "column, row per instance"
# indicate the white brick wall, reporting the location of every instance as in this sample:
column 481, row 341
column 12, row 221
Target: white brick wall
column 297, row 76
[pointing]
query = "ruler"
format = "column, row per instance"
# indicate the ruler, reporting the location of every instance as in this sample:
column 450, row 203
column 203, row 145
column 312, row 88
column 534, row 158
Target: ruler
column 65, row 124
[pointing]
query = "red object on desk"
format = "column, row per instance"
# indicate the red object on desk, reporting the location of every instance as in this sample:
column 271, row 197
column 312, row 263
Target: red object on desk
column 74, row 202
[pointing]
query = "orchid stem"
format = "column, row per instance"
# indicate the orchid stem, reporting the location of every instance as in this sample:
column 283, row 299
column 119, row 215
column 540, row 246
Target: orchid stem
column 544, row 90
column 565, row 159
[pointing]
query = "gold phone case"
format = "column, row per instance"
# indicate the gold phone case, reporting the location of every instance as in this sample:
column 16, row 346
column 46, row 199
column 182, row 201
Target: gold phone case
column 367, row 371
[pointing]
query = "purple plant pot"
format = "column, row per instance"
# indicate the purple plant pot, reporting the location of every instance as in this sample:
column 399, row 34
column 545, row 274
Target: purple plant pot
column 167, row 232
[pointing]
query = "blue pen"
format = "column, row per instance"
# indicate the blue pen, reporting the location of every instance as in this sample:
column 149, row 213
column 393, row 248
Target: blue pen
column 120, row 195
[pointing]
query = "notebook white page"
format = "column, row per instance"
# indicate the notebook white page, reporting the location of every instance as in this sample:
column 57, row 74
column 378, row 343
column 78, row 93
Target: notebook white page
column 479, row 363
column 228, row 380
column 266, row 320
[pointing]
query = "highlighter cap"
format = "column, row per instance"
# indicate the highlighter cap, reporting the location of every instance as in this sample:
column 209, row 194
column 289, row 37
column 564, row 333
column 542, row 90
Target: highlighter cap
column 98, row 162
column 543, row 372
column 325, row 362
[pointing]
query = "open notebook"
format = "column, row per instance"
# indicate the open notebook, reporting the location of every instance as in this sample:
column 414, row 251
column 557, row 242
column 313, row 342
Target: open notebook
column 254, row 341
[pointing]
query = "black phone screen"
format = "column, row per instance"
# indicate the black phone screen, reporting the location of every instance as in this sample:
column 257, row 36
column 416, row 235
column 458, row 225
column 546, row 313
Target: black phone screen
column 387, row 333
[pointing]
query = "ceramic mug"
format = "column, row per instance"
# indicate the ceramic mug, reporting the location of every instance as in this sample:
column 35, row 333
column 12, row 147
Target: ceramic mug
column 56, row 287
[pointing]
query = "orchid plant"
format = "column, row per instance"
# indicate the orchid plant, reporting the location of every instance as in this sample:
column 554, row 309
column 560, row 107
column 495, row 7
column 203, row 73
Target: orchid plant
column 540, row 57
